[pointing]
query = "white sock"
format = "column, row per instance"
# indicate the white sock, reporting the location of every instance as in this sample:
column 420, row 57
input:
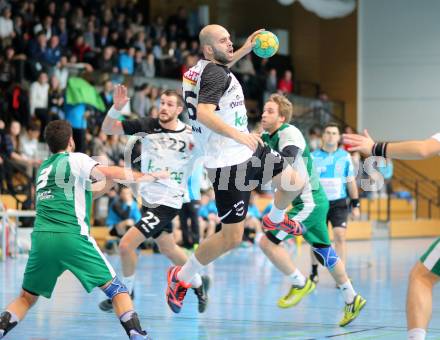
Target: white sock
column 190, row 269
column 14, row 318
column 196, row 282
column 348, row 291
column 128, row 281
column 297, row 278
column 276, row 215
column 416, row 334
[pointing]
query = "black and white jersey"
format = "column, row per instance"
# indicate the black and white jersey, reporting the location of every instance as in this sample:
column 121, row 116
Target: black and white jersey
column 210, row 83
column 163, row 149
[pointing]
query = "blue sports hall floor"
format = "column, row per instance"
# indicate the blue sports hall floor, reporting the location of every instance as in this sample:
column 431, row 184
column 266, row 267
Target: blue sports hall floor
column 245, row 289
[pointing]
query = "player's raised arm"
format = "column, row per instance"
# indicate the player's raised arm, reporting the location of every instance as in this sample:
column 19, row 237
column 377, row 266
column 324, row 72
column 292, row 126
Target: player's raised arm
column 246, row 48
column 111, row 124
column 418, row 149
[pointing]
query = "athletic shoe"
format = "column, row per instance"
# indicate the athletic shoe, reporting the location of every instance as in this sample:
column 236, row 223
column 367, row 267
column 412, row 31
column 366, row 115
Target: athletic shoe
column 296, row 294
column 5, row 323
column 202, row 293
column 176, row 289
column 107, row 305
column 289, row 226
column 352, row 310
column 140, row 337
column 314, row 277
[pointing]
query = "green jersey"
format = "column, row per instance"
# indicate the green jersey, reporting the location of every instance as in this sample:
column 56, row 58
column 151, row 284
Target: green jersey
column 63, row 194
column 313, row 192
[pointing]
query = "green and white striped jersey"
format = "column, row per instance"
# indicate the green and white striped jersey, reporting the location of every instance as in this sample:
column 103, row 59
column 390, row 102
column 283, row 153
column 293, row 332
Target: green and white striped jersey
column 63, row 194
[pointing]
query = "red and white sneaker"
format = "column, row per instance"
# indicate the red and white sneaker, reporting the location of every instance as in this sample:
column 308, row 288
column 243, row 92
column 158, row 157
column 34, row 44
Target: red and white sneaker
column 176, row 289
column 289, row 226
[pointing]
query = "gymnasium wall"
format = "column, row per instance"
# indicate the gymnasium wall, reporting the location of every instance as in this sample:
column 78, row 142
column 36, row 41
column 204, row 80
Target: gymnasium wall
column 399, row 68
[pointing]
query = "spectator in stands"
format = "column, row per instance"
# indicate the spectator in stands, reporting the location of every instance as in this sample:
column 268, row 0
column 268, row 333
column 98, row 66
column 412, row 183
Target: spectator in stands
column 7, row 68
column 107, row 95
column 76, row 115
column 37, row 52
column 315, row 138
column 126, row 40
column 28, row 146
column 126, row 61
column 141, row 103
column 190, row 210
column 386, row 168
column 61, row 71
column 102, row 38
column 114, row 150
column 39, row 98
column 18, row 105
column 90, row 34
column 16, row 159
column 208, row 214
column 322, row 111
column 154, row 112
column 6, row 27
column 108, row 62
column 61, row 31
column 285, row 85
column 80, row 49
column 56, row 99
column 139, row 42
column 144, row 67
column 123, row 212
column 272, row 81
column 29, row 141
column 48, row 26
column 53, row 52
column 158, row 28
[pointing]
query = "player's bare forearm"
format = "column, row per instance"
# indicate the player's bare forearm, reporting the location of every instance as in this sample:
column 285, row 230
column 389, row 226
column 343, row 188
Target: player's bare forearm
column 414, row 149
column 115, row 173
column 240, row 53
column 102, row 187
column 207, row 116
column 111, row 126
column 352, row 188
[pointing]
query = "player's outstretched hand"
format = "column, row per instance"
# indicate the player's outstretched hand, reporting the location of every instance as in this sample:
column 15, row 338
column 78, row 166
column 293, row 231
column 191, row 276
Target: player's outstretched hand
column 251, row 140
column 120, row 97
column 362, row 143
column 250, row 41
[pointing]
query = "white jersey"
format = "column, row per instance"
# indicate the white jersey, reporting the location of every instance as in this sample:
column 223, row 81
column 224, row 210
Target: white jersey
column 218, row 151
column 163, row 149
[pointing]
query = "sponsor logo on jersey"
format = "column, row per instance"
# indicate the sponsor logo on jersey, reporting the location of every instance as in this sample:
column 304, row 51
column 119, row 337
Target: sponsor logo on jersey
column 191, row 77
column 240, row 120
column 231, row 89
column 234, row 104
column 196, row 129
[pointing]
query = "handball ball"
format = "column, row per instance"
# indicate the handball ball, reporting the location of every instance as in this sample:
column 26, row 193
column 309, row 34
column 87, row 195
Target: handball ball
column 266, row 44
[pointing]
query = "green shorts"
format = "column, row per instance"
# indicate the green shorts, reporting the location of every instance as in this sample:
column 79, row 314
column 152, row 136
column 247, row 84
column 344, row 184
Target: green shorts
column 431, row 259
column 314, row 218
column 53, row 253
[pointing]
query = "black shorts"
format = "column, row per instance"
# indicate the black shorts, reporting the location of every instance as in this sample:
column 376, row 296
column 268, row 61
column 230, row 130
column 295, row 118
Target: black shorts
column 233, row 184
column 338, row 213
column 156, row 220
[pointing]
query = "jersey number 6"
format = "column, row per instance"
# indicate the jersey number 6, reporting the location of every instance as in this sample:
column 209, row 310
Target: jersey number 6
column 192, row 110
